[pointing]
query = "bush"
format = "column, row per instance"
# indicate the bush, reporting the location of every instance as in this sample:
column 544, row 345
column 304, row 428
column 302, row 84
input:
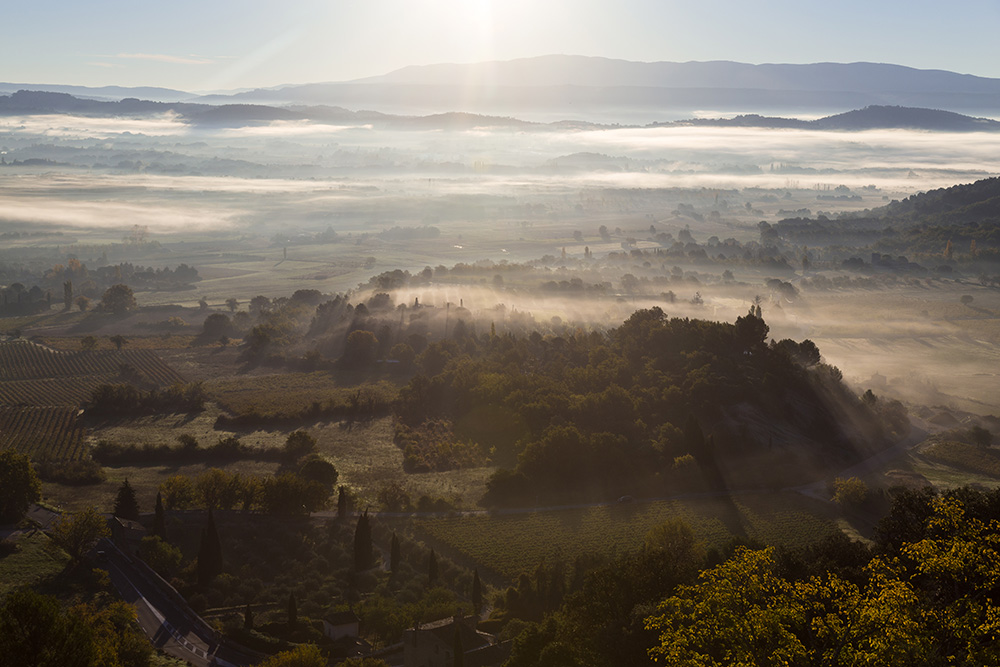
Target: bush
column 82, row 472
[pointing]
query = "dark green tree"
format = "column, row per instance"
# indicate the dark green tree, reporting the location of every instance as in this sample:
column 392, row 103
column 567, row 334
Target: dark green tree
column 248, row 618
column 432, row 569
column 477, row 592
column 19, row 485
column 126, row 506
column 394, row 554
column 456, row 646
column 159, row 523
column 209, row 553
column 342, row 503
column 363, row 554
column 118, row 299
column 293, row 610
column 299, row 444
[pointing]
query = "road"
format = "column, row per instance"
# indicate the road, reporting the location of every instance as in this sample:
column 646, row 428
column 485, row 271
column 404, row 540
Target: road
column 168, row 624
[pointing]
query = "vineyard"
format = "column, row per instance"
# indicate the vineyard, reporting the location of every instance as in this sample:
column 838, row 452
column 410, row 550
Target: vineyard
column 34, row 375
column 51, row 432
column 515, row 543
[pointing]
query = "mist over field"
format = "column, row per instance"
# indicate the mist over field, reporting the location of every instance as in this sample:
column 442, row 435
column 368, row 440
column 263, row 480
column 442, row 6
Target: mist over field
column 493, row 193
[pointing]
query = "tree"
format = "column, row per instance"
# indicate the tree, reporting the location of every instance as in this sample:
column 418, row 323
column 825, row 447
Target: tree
column 299, row 444
column 849, row 492
column 342, row 503
column 216, row 490
column 34, row 630
column 159, row 523
column 178, row 492
column 118, row 341
column 165, row 558
column 394, row 554
column 209, row 553
column 432, row 569
column 359, row 349
column 290, row 494
column 216, row 325
column 78, row 533
column 364, row 556
column 477, row 592
column 83, row 303
column 118, row 299
column 293, row 613
column 458, row 650
column 248, row 618
column 303, row 655
column 88, row 343
column 19, row 486
column 232, row 304
column 67, row 295
column 126, row 506
column 966, row 299
column 319, row 470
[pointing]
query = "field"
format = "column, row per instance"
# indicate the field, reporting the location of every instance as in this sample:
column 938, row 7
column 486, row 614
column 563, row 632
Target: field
column 509, row 544
column 37, row 559
column 965, row 457
column 42, row 433
column 31, row 374
column 284, row 393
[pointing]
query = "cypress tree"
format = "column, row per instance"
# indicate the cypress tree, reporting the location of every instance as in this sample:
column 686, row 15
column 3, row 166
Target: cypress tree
column 126, row 506
column 394, row 554
column 432, row 569
column 342, row 503
column 209, row 553
column 477, row 592
column 248, row 618
column 159, row 523
column 293, row 612
column 459, row 660
column 363, row 554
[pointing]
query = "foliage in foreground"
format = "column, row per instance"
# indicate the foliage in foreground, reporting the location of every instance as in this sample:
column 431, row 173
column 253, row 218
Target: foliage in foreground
column 35, row 630
column 926, row 593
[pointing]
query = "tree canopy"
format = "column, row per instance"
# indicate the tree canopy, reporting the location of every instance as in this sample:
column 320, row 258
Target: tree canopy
column 19, row 485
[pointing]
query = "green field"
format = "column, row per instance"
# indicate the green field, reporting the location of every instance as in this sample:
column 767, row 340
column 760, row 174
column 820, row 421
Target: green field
column 36, row 559
column 514, row 543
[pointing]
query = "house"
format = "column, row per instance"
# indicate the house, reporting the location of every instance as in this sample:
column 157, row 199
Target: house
column 341, row 624
column 127, row 534
column 433, row 644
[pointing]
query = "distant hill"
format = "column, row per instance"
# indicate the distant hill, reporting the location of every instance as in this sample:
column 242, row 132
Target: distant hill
column 583, row 86
column 870, row 118
column 104, row 93
column 237, row 115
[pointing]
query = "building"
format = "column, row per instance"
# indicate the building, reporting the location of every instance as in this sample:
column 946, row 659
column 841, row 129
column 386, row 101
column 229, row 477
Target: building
column 434, row 644
column 341, row 624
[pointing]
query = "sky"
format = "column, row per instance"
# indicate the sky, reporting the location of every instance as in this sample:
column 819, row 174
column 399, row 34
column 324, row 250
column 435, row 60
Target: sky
column 212, row 45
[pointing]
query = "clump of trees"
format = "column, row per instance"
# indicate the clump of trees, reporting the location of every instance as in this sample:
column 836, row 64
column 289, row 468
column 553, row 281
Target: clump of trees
column 121, row 400
column 19, row 486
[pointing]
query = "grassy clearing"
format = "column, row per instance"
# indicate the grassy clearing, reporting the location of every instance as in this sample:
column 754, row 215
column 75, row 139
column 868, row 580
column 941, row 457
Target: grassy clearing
column 36, row 560
column 285, row 393
column 511, row 544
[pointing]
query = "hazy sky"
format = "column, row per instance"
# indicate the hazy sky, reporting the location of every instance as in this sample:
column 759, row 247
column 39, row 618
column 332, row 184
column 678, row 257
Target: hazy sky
column 224, row 44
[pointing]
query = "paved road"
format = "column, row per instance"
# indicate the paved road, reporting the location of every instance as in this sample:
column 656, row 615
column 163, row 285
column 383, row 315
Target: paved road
column 167, row 623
